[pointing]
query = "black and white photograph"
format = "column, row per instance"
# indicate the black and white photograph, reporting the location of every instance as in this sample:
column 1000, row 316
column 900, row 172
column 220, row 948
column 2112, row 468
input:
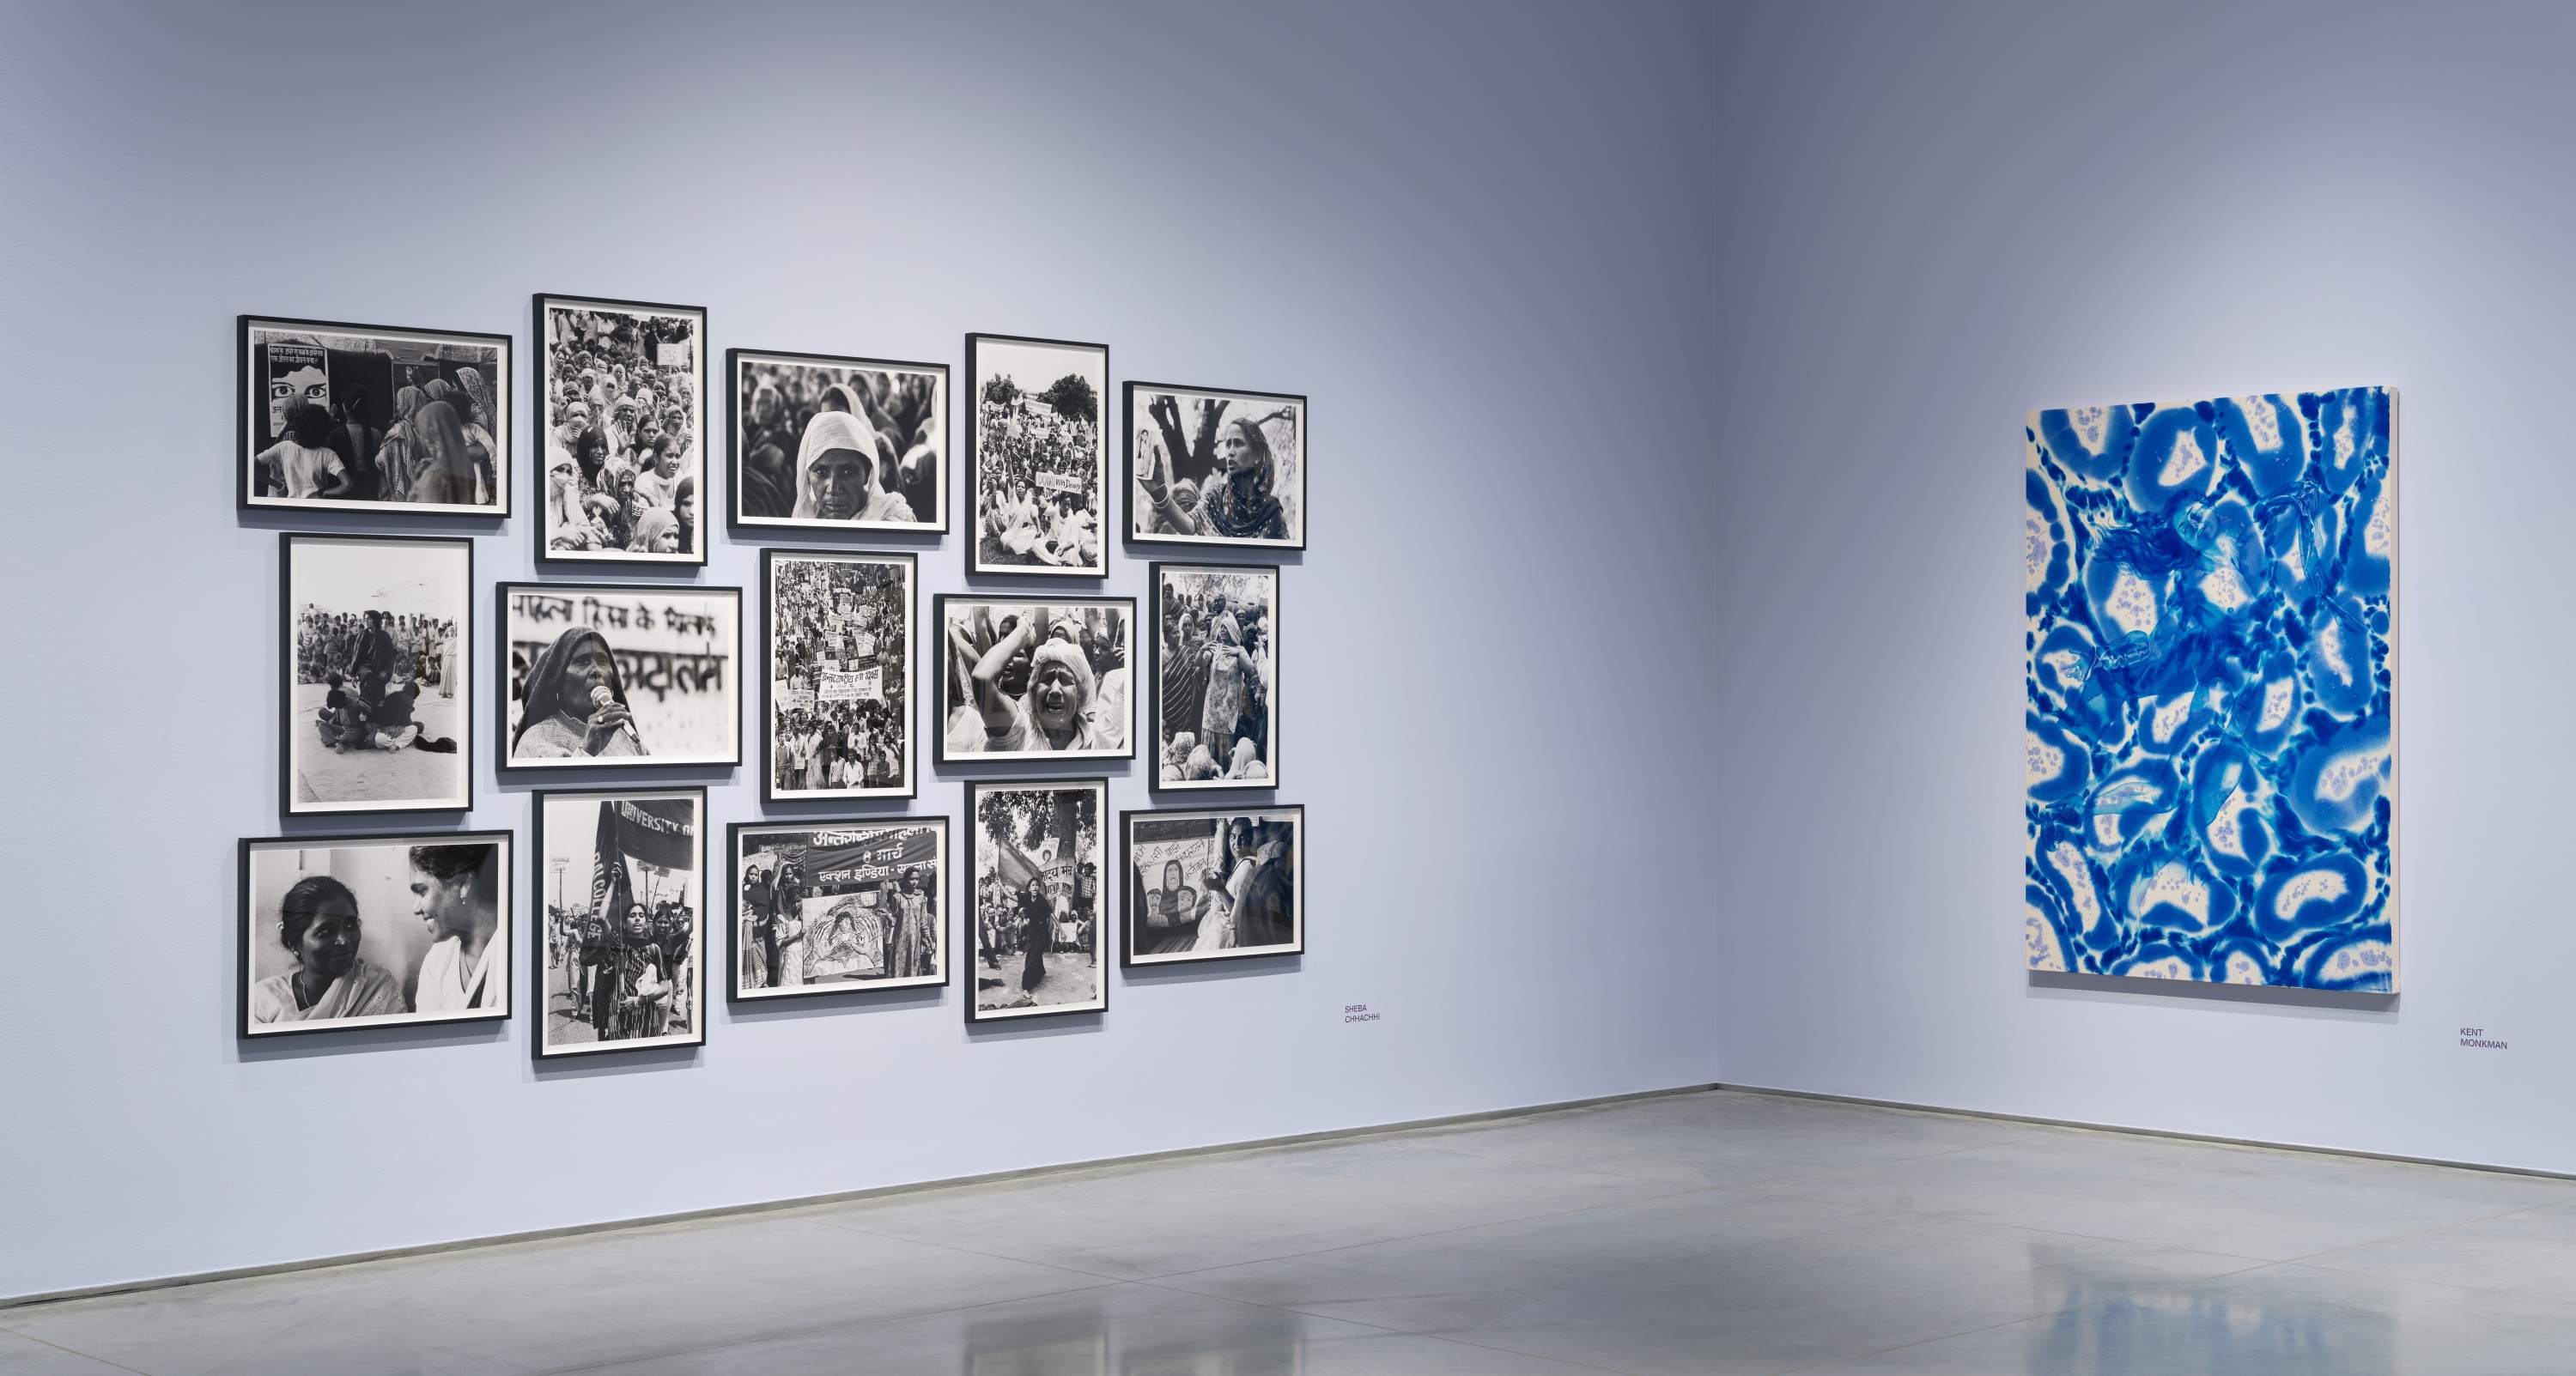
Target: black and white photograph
column 836, row 720
column 1038, row 449
column 1039, row 855
column 338, row 417
column 854, row 444
column 1030, row 680
column 373, row 931
column 377, row 686
column 599, row 675
column 836, row 906
column 1219, row 884
column 1216, row 676
column 619, row 956
column 622, row 418
column 1215, row 468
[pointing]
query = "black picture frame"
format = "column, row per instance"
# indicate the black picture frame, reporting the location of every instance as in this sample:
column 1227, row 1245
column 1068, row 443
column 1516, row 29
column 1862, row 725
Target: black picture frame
column 910, row 697
column 251, row 427
column 965, row 691
column 579, row 598
column 976, row 564
column 1139, row 531
column 295, row 736
column 1156, row 777
column 541, row 411
column 970, row 918
column 735, row 487
column 1131, row 892
column 540, row 1046
column 736, row 834
column 246, row 918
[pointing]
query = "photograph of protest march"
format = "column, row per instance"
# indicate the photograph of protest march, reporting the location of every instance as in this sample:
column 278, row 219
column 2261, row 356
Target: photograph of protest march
column 619, row 954
column 1025, row 680
column 620, row 674
column 830, row 907
column 341, row 417
column 836, row 714
column 374, row 931
column 1038, row 449
column 1215, row 468
column 1218, row 884
column 376, row 693
column 622, row 413
column 824, row 443
column 1216, row 676
column 1037, row 852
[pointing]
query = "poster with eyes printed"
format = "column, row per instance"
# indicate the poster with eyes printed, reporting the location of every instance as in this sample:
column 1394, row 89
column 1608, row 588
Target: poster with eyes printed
column 2210, row 699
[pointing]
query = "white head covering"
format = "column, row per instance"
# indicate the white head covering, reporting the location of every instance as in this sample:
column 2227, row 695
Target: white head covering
column 830, row 430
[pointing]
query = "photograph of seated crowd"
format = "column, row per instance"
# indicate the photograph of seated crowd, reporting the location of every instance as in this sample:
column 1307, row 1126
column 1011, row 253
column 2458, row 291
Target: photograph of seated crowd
column 1216, row 676
column 839, row 715
column 619, row 882
column 386, row 420
column 1033, row 680
column 378, row 692
column 830, row 442
column 1041, row 495
column 622, row 407
column 1038, row 852
column 1216, row 468
column 840, row 906
column 366, row 930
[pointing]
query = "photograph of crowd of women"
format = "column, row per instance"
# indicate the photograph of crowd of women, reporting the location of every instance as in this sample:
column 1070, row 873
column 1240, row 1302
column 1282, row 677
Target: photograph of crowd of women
column 1036, row 680
column 1216, row 676
column 1215, row 468
column 1039, row 455
column 364, row 931
column 370, row 418
column 1037, row 853
column 378, row 685
column 838, row 719
column 610, row 674
column 829, row 907
column 622, row 404
column 1214, row 885
column 838, row 443
column 618, row 875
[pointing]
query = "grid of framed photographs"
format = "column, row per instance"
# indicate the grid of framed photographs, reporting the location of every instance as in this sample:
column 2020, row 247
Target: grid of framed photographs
column 379, row 680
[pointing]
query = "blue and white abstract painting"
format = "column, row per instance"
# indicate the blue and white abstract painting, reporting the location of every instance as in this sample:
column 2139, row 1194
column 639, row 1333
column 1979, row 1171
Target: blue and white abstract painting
column 2211, row 690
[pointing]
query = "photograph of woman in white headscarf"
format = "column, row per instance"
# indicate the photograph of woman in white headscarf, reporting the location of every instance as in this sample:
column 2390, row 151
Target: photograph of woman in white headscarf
column 829, row 443
column 1030, row 680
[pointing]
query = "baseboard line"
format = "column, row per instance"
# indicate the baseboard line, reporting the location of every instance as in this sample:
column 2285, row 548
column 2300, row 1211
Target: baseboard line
column 843, row 1197
column 2152, row 1132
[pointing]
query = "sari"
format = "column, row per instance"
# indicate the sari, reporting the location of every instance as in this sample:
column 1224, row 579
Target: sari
column 547, row 715
column 367, row 991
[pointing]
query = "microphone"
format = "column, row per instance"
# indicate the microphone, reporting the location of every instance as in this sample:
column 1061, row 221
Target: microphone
column 601, row 697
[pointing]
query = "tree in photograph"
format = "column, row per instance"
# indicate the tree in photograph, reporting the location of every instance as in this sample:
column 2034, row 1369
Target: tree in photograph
column 1072, row 398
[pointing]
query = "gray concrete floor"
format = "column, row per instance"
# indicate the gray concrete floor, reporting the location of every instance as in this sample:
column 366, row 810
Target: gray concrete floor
column 1702, row 1233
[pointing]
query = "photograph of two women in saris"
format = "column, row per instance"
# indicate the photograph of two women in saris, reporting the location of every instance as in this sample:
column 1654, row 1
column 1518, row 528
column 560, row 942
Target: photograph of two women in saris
column 350, row 931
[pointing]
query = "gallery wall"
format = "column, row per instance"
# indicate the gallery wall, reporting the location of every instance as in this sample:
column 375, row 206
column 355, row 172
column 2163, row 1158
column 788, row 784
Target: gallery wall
column 1937, row 218
column 1481, row 248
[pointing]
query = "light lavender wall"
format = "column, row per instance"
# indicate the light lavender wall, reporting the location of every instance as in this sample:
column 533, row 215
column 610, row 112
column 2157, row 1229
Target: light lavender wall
column 1938, row 217
column 1476, row 234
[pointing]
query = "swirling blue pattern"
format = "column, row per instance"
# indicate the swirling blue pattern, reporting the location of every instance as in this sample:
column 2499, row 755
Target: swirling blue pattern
column 2210, row 774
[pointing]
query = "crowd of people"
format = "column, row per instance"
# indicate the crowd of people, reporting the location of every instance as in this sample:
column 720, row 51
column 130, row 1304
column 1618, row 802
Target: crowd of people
column 620, row 458
column 455, row 895
column 1035, row 679
column 1037, row 471
column 1219, row 479
column 629, row 976
column 792, row 937
column 1026, row 923
column 831, row 444
column 1217, row 668
column 438, row 448
column 1247, row 898
column 375, row 666
column 823, row 613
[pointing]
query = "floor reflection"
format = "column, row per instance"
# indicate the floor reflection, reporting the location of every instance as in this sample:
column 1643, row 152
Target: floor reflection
column 2100, row 1329
column 1082, row 1339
